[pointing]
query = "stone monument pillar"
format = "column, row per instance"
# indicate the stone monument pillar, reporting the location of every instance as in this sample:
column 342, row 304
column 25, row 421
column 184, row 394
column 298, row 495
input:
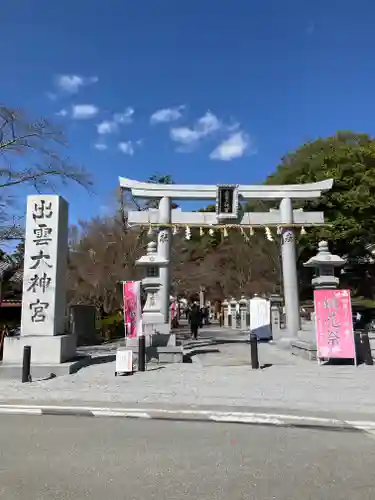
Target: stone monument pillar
column 164, row 251
column 44, row 314
column 289, row 265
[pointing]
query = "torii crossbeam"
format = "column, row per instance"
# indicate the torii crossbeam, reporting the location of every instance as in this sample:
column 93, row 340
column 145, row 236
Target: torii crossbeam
column 207, row 192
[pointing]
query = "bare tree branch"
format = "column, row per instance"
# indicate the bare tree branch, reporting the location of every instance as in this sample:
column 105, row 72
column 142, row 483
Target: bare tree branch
column 31, row 153
column 40, row 145
column 102, row 255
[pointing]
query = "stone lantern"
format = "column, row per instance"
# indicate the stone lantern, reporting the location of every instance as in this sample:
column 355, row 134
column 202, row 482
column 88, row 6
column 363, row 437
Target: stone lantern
column 152, row 318
column 324, row 264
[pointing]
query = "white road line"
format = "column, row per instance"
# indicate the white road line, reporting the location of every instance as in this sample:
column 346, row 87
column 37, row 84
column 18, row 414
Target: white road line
column 192, row 412
column 21, row 411
column 246, row 419
column 356, row 423
column 368, row 427
column 113, row 413
column 217, row 416
column 252, row 415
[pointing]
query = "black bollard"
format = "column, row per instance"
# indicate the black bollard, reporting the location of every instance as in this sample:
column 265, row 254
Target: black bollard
column 26, row 374
column 141, row 353
column 254, row 351
column 2, row 336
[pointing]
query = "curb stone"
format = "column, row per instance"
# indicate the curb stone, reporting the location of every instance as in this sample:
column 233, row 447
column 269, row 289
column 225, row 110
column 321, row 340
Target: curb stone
column 248, row 418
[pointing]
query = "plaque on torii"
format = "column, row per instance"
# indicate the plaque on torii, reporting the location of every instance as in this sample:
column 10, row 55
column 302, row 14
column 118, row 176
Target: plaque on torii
column 227, row 202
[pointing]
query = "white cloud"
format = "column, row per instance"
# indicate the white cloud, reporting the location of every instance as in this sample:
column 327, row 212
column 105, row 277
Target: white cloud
column 166, row 115
column 100, row 146
column 112, row 126
column 106, row 127
column 72, row 83
column 125, row 117
column 84, row 111
column 208, row 124
column 204, row 126
column 233, row 147
column 51, row 96
column 185, row 135
column 129, row 147
column 62, row 112
column 233, row 127
column 126, row 148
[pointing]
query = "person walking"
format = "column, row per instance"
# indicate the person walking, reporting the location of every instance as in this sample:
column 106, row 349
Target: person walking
column 195, row 320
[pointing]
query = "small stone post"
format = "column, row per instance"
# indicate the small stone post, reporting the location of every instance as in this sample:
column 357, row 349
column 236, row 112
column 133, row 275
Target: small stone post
column 233, row 312
column 202, row 301
column 244, row 306
column 275, row 304
column 226, row 314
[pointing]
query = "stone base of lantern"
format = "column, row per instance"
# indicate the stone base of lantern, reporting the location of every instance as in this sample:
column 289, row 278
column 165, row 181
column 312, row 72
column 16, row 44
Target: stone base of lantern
column 160, row 343
column 154, row 340
column 157, row 332
column 50, row 355
column 162, row 354
column 160, row 347
column 304, row 349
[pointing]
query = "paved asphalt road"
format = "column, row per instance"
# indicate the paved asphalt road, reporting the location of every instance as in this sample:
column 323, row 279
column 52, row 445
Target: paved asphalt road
column 99, row 458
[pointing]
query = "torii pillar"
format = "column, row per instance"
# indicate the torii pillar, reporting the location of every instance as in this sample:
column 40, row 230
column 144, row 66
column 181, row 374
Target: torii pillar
column 164, row 251
column 289, row 265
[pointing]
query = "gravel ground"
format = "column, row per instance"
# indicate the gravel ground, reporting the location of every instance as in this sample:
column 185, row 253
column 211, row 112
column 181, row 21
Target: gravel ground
column 296, row 384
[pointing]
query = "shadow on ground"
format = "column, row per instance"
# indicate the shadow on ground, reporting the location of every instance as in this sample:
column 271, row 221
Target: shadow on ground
column 195, row 352
column 99, row 360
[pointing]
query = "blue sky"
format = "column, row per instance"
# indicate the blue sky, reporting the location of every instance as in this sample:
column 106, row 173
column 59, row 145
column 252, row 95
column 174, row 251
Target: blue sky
column 206, row 91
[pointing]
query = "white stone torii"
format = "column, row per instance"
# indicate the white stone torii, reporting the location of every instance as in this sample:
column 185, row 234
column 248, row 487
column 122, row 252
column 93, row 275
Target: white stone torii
column 283, row 217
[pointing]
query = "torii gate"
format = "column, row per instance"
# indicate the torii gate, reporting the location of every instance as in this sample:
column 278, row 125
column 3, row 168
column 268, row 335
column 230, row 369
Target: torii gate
column 227, row 203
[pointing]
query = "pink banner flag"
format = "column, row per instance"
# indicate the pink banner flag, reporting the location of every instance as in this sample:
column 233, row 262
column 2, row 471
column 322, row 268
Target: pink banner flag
column 334, row 324
column 132, row 308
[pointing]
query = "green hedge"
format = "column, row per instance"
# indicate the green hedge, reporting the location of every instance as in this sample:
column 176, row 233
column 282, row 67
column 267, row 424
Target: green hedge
column 112, row 327
column 365, row 303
